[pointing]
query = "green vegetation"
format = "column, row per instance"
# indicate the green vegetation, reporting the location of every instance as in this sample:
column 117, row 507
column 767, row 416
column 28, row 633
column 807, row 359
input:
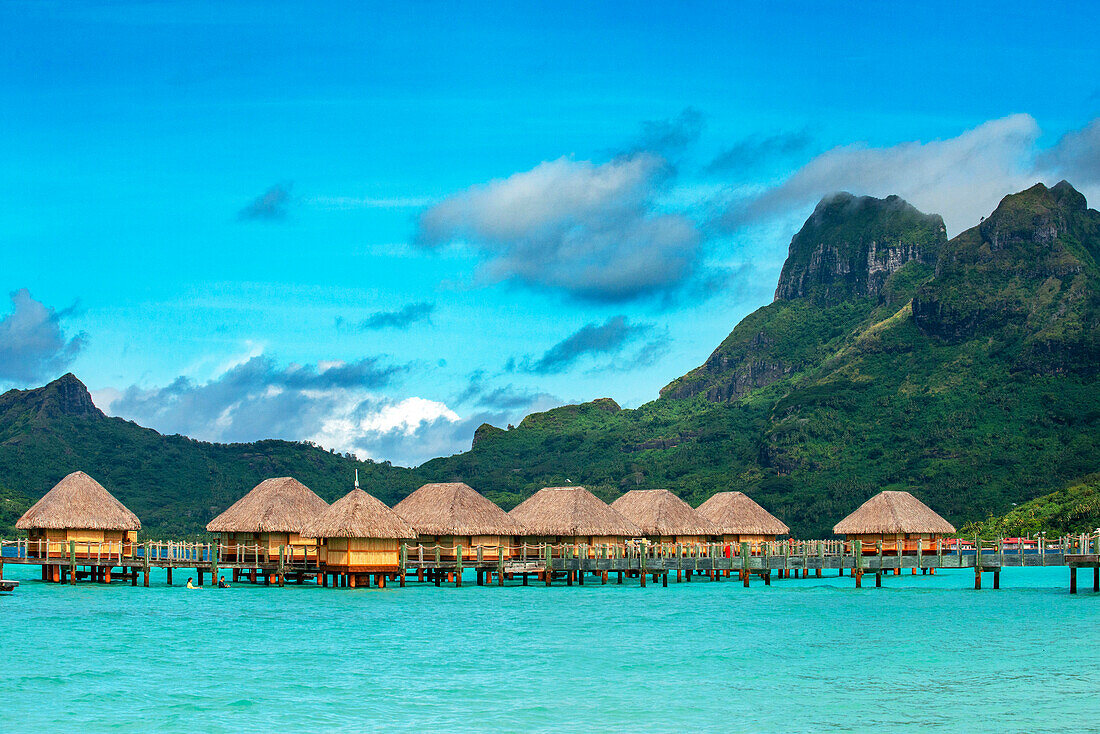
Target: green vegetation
column 964, row 372
column 1072, row 510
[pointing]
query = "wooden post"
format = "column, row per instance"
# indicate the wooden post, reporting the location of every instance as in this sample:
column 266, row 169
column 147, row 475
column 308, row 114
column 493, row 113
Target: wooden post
column 548, row 573
column 857, row 567
column 403, row 560
column 1072, row 580
column 458, row 566
column 1096, row 578
column 500, row 565
column 72, row 561
column 215, row 557
column 282, row 563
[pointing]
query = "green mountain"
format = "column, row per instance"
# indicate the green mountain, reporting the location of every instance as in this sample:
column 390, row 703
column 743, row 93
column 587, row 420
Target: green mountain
column 1072, row 510
column 174, row 484
column 963, row 370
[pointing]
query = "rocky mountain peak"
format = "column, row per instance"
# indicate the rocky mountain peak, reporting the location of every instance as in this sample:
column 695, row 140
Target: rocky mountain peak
column 851, row 245
column 65, row 396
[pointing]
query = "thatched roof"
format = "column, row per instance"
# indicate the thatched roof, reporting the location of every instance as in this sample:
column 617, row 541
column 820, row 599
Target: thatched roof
column 893, row 512
column 660, row 512
column 359, row 515
column 454, row 508
column 571, row 511
column 79, row 502
column 281, row 505
column 734, row 513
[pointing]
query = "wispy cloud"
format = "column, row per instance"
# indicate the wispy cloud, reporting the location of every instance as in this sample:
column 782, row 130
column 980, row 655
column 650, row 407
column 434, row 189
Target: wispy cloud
column 755, row 150
column 271, row 205
column 33, row 345
column 594, row 340
column 402, row 318
column 960, row 178
column 342, row 203
column 1076, row 156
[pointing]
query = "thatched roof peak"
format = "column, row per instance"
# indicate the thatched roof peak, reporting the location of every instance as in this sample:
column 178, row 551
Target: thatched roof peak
column 735, row 513
column 279, row 505
column 660, row 512
column 893, row 512
column 79, row 502
column 455, row 508
column 571, row 511
column 359, row 515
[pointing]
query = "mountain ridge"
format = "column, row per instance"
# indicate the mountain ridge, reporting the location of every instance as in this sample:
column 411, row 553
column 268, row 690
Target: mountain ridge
column 963, row 370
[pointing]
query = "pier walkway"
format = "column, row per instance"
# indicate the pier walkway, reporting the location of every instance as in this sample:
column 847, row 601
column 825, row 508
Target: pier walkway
column 562, row 563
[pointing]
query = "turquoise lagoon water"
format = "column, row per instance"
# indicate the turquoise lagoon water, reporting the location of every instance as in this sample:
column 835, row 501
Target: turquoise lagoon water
column 922, row 653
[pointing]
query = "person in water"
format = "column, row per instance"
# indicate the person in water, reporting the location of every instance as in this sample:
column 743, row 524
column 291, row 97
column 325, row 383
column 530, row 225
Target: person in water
column 191, row 585
column 222, row 584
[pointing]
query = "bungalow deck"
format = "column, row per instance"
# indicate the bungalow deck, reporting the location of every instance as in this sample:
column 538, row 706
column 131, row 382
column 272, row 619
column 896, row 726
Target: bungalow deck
column 565, row 562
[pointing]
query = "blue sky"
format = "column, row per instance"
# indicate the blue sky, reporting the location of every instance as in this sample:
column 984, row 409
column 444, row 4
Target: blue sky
column 375, row 226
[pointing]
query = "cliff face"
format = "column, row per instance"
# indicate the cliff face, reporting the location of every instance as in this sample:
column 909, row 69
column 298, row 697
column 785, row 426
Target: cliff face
column 851, row 255
column 64, row 397
column 1025, row 277
column 850, row 246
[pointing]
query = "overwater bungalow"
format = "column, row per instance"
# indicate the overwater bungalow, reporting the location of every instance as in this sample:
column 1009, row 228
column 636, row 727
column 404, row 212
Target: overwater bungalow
column 572, row 515
column 78, row 509
column 663, row 517
column 894, row 518
column 453, row 514
column 738, row 519
column 268, row 517
column 360, row 536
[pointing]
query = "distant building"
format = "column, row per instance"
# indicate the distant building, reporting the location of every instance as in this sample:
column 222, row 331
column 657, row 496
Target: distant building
column 571, row 515
column 663, row 517
column 79, row 509
column 271, row 515
column 454, row 514
column 738, row 519
column 891, row 517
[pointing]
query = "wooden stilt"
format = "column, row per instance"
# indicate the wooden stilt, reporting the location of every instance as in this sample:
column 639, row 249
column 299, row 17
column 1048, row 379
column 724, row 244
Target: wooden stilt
column 767, row 578
column 1096, row 578
column 351, row 580
column 107, row 576
column 878, row 579
column 568, row 578
column 1072, row 580
column 620, row 578
column 664, row 579
column 380, row 582
column 324, row 579
column 603, row 578
column 745, row 578
column 859, row 579
column 133, row 576
column 997, row 578
column 641, row 576
column 145, row 578
column 977, row 574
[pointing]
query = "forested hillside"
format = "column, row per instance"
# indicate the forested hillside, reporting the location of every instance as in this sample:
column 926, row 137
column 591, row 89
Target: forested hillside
column 962, row 370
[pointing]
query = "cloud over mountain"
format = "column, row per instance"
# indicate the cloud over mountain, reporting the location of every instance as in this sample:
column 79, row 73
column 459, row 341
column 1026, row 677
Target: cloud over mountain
column 33, row 344
column 608, row 339
column 960, row 178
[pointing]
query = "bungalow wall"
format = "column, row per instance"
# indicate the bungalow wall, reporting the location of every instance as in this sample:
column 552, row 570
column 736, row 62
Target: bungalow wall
column 360, row 555
column 53, row 543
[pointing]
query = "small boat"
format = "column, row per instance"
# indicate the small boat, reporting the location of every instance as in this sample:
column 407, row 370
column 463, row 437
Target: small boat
column 7, row 586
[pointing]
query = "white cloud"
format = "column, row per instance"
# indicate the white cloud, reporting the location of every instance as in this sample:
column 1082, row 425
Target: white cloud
column 593, row 231
column 960, row 178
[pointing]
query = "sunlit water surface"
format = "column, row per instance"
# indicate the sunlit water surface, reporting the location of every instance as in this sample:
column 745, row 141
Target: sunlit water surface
column 922, row 653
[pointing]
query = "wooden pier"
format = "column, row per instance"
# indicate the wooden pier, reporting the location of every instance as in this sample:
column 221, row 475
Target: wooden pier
column 562, row 563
